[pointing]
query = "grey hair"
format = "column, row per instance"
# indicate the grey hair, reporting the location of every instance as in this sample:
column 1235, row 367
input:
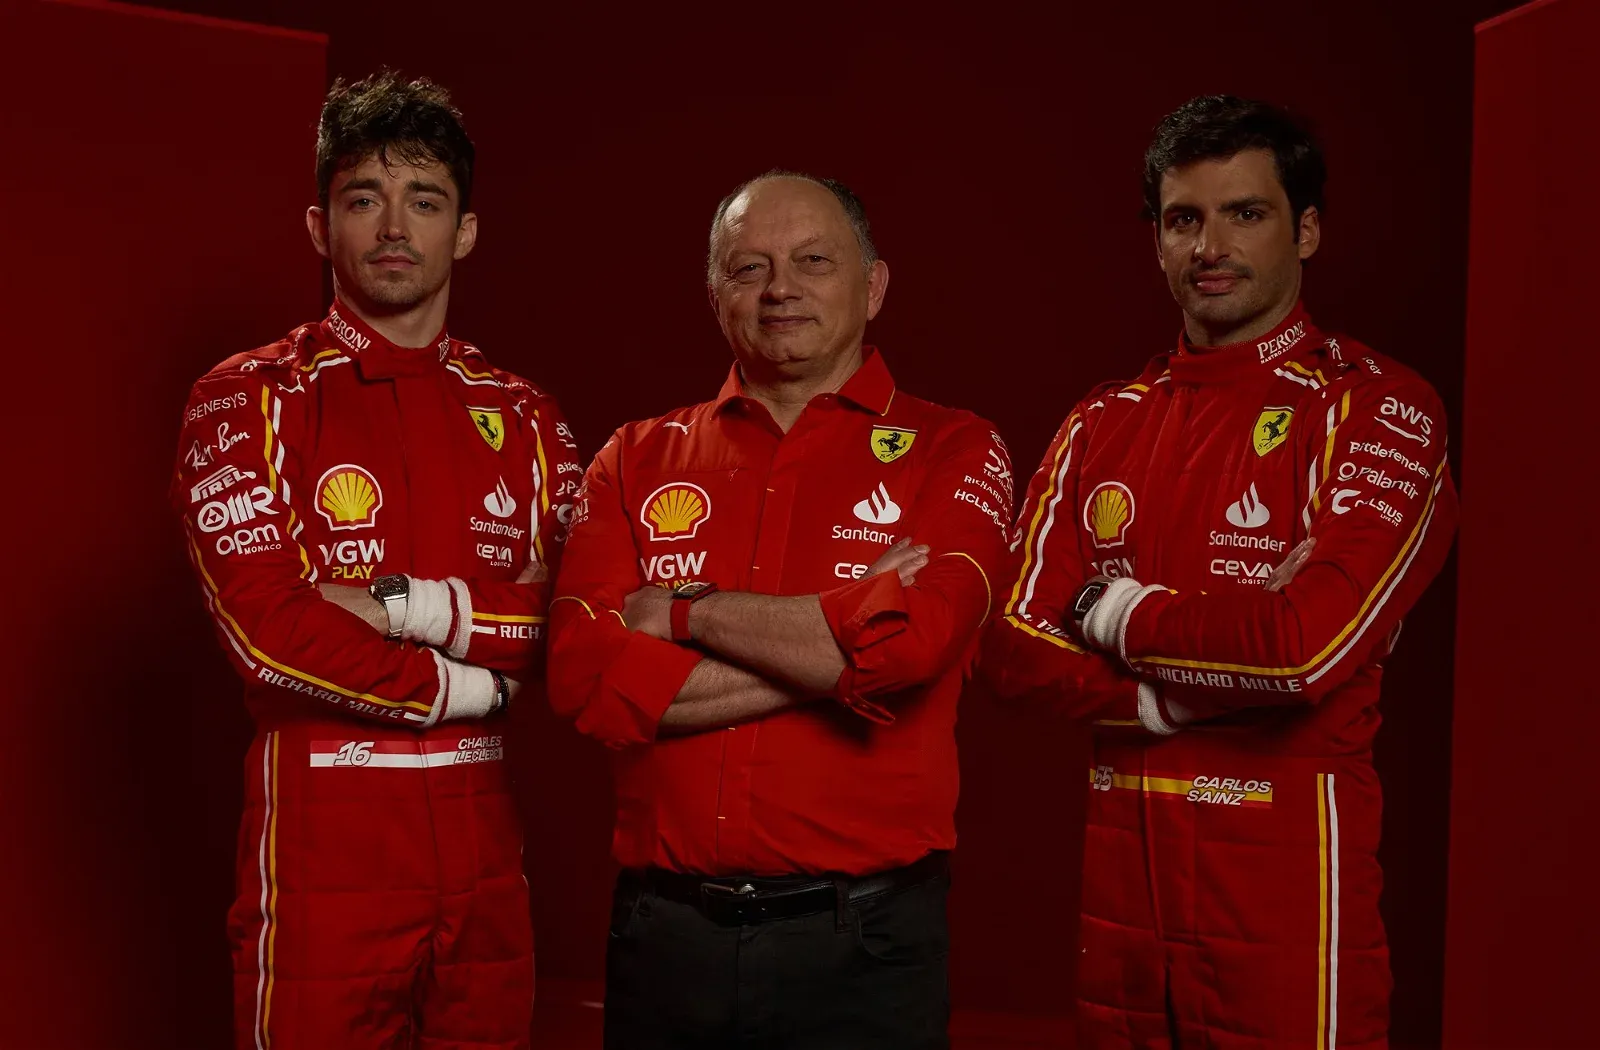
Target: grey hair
column 854, row 211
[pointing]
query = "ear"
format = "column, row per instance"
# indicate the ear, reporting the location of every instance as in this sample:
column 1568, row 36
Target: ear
column 466, row 235
column 1155, row 239
column 317, row 227
column 877, row 287
column 1310, row 233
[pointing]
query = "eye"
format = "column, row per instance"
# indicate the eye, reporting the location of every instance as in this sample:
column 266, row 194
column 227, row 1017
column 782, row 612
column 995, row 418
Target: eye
column 1181, row 222
column 362, row 202
column 816, row 258
column 1249, row 215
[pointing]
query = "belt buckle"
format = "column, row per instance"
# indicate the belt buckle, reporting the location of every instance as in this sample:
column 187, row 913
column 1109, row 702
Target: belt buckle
column 728, row 904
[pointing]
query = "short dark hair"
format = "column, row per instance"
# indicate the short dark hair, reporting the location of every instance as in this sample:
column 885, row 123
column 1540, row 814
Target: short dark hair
column 412, row 122
column 854, row 211
column 1219, row 126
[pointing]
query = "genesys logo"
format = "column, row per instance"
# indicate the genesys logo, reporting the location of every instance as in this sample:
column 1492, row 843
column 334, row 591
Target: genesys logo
column 235, row 510
column 216, row 404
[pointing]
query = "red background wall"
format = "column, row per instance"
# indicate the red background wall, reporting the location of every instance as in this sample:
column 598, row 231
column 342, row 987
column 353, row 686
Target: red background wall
column 998, row 153
column 150, row 220
column 1521, row 968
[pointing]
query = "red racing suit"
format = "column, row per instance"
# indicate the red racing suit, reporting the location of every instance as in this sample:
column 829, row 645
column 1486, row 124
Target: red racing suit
column 1231, row 879
column 380, row 887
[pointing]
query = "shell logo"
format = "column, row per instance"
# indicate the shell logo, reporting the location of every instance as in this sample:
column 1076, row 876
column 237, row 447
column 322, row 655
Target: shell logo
column 1107, row 513
column 676, row 511
column 349, row 497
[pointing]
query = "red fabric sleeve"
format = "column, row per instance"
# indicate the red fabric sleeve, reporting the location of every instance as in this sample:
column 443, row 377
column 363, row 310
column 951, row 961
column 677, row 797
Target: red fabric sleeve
column 1383, row 516
column 1028, row 653
column 613, row 683
column 893, row 637
column 238, row 488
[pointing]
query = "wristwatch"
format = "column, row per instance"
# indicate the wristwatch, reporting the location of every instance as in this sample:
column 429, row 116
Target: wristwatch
column 502, row 693
column 682, row 598
column 1085, row 600
column 394, row 591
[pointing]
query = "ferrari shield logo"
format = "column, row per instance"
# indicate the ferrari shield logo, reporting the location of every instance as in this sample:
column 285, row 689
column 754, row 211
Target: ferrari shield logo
column 889, row 444
column 491, row 426
column 1272, row 428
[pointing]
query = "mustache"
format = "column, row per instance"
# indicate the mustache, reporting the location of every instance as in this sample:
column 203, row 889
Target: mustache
column 1229, row 268
column 393, row 249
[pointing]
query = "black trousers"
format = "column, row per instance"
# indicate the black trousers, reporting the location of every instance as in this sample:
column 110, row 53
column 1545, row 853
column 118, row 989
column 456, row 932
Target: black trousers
column 869, row 974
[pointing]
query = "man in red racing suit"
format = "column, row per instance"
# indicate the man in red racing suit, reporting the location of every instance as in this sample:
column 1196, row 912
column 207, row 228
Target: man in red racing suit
column 1215, row 560
column 381, row 898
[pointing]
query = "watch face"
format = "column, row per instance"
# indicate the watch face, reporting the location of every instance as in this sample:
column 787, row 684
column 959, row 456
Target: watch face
column 1090, row 594
column 390, row 587
column 689, row 590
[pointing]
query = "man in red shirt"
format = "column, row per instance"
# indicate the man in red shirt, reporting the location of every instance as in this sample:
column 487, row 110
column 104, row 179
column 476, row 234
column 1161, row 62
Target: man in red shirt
column 768, row 607
column 381, row 899
column 1216, row 558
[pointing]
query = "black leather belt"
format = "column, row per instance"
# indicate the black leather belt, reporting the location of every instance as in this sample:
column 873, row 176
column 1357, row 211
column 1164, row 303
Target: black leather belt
column 748, row 901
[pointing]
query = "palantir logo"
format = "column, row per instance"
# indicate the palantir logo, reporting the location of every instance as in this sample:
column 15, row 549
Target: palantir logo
column 1249, row 512
column 499, row 502
column 879, row 508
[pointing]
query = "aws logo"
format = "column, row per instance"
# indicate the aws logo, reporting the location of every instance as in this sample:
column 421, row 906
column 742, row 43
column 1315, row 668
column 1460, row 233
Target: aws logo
column 675, row 511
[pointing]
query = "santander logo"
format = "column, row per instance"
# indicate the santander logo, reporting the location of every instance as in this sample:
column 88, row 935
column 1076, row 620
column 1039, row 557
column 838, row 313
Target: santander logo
column 1249, row 512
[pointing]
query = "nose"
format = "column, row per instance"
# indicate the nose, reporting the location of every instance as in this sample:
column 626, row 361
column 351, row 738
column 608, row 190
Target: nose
column 782, row 283
column 1211, row 244
column 393, row 229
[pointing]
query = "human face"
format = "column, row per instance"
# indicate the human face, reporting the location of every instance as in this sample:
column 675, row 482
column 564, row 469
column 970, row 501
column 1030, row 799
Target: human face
column 789, row 284
column 392, row 234
column 1227, row 241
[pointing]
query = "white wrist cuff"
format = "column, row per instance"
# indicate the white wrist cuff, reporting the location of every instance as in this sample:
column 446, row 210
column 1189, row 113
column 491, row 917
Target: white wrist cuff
column 1150, row 711
column 431, row 610
column 465, row 691
column 1107, row 621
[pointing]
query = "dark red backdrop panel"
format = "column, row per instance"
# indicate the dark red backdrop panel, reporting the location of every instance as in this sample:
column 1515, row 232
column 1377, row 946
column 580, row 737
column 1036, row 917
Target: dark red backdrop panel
column 999, row 155
column 153, row 182
column 1521, row 967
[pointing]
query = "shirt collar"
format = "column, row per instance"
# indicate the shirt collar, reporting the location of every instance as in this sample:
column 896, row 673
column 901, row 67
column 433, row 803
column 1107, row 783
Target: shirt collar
column 870, row 387
column 1201, row 363
column 375, row 355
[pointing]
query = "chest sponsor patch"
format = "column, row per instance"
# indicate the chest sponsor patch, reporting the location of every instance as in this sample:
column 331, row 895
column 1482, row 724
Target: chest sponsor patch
column 889, row 444
column 491, row 426
column 1272, row 429
column 349, row 497
column 675, row 511
column 1108, row 513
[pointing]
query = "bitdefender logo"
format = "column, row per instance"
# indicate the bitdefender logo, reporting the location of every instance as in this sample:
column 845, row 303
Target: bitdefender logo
column 1249, row 512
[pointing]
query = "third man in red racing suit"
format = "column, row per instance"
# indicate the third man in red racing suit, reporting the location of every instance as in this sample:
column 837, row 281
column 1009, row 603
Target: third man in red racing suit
column 1215, row 560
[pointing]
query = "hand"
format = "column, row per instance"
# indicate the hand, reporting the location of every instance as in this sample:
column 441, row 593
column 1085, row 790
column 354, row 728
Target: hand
column 357, row 601
column 1285, row 572
column 901, row 558
column 534, row 573
column 648, row 610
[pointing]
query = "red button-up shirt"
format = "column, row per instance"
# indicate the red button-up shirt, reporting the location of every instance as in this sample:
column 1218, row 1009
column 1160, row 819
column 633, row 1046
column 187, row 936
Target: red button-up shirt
column 717, row 492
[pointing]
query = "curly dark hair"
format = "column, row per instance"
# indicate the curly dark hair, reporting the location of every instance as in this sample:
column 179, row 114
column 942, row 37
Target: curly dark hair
column 409, row 122
column 854, row 211
column 1220, row 126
